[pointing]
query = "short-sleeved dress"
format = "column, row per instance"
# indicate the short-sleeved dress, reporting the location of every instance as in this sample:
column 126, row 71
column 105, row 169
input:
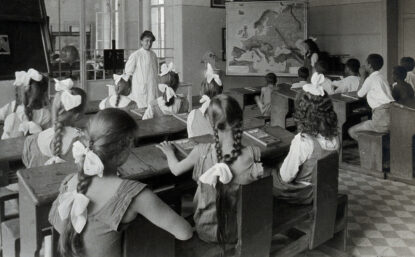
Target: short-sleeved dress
column 158, row 108
column 103, row 231
column 37, row 149
column 198, row 124
column 205, row 197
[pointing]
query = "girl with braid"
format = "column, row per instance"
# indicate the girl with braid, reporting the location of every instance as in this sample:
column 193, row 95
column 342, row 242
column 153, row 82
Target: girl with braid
column 28, row 114
column 120, row 99
column 53, row 145
column 95, row 205
column 226, row 159
column 169, row 102
column 317, row 138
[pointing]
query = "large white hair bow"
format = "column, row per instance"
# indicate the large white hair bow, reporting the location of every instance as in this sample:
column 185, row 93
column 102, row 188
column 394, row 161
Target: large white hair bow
column 169, row 91
column 315, row 88
column 219, row 170
column 70, row 101
column 21, row 78
column 117, row 78
column 29, row 127
column 62, row 85
column 93, row 165
column 75, row 205
column 33, row 74
column 166, row 69
column 210, row 75
column 205, row 101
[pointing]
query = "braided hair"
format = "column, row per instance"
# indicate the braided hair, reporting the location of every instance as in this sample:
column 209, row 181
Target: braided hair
column 210, row 89
column 315, row 115
column 35, row 96
column 122, row 88
column 225, row 113
column 109, row 133
column 62, row 118
column 171, row 79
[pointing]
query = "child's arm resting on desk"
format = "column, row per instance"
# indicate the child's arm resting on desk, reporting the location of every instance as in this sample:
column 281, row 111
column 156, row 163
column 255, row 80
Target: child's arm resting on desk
column 176, row 167
column 160, row 214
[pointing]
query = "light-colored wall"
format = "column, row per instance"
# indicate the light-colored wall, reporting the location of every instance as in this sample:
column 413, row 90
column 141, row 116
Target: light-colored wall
column 406, row 28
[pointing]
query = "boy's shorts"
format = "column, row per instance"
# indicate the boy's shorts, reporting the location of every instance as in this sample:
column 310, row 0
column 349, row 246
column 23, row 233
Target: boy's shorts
column 380, row 121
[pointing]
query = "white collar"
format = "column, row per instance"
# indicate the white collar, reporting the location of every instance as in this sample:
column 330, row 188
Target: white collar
column 374, row 73
column 45, row 138
column 174, row 108
column 124, row 101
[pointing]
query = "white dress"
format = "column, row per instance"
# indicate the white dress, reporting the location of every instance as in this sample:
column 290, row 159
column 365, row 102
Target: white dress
column 142, row 65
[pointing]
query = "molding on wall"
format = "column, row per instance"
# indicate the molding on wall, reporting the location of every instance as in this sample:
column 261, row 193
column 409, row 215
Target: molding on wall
column 316, row 3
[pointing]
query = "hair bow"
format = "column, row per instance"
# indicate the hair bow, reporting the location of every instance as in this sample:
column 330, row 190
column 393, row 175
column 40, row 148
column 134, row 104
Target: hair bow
column 70, row 101
column 93, row 165
column 75, row 205
column 315, row 88
column 166, row 69
column 29, row 127
column 117, row 78
column 62, row 85
column 169, row 91
column 210, row 75
column 34, row 74
column 313, row 38
column 205, row 101
column 219, row 170
column 21, row 78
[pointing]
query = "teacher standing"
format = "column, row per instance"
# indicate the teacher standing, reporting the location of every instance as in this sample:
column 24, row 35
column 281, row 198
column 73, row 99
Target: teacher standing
column 143, row 67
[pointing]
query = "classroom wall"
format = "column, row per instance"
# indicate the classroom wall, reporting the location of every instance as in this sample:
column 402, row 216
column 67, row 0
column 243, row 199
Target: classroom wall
column 406, row 32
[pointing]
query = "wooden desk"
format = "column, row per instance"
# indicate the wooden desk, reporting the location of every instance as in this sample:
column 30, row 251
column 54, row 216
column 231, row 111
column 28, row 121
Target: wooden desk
column 244, row 96
column 158, row 127
column 10, row 150
column 282, row 102
column 402, row 133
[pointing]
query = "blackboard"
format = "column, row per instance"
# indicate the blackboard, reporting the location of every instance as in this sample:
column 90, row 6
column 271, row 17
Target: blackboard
column 23, row 22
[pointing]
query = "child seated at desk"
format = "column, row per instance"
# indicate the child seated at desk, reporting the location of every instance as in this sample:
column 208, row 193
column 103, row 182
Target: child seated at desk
column 322, row 67
column 264, row 101
column 198, row 121
column 402, row 91
column 53, row 145
column 169, row 103
column 317, row 138
column 303, row 74
column 228, row 159
column 379, row 96
column 120, row 99
column 409, row 64
column 352, row 80
column 95, row 205
column 30, row 114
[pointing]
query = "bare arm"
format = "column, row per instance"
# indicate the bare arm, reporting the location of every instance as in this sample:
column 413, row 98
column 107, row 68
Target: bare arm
column 178, row 167
column 160, row 214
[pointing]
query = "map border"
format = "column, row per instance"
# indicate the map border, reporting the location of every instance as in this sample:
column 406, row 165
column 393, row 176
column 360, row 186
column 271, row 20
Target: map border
column 304, row 2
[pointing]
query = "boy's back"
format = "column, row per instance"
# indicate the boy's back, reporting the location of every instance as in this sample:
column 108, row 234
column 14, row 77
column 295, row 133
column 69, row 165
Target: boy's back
column 402, row 92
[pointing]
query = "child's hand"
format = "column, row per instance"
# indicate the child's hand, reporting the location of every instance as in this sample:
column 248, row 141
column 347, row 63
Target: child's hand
column 257, row 99
column 166, row 148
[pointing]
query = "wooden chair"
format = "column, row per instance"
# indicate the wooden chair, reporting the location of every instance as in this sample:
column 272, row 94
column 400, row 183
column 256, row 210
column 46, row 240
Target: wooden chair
column 317, row 221
column 9, row 224
column 374, row 151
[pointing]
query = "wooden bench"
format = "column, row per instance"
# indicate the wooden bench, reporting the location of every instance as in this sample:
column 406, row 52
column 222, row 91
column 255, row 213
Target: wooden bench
column 374, row 151
column 318, row 222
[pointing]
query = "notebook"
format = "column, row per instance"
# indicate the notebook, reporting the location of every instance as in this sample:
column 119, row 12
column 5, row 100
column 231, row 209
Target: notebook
column 262, row 137
column 184, row 146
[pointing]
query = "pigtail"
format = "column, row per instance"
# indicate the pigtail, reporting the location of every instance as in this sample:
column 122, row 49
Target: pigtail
column 117, row 101
column 16, row 93
column 58, row 129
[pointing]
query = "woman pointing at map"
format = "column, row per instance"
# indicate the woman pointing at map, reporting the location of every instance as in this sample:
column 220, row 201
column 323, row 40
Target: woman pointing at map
column 142, row 66
column 311, row 53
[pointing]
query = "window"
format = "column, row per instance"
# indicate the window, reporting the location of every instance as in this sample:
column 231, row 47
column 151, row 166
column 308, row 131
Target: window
column 157, row 27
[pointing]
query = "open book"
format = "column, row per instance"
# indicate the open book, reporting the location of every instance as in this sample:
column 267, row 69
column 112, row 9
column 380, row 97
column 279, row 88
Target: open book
column 262, row 137
column 184, row 146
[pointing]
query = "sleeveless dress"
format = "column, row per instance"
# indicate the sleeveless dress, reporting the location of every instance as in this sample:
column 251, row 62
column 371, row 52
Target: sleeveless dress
column 198, row 124
column 125, row 103
column 205, row 197
column 37, row 149
column 157, row 108
column 300, row 190
column 102, row 234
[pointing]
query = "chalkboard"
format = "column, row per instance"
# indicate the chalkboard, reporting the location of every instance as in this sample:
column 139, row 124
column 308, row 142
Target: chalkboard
column 23, row 22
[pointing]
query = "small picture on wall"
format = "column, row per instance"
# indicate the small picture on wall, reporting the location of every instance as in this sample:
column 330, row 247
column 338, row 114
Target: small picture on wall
column 4, row 45
column 217, row 3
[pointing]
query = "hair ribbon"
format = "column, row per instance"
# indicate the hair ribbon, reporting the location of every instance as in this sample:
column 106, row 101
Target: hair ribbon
column 210, row 75
column 205, row 101
column 93, row 165
column 169, row 91
column 21, row 78
column 75, row 205
column 29, row 127
column 165, row 69
column 315, row 88
column 117, row 78
column 68, row 100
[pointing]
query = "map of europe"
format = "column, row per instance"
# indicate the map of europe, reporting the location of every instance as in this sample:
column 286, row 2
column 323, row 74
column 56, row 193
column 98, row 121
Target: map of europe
column 265, row 37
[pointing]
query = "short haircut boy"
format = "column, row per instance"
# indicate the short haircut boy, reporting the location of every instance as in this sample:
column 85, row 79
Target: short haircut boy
column 303, row 73
column 271, row 78
column 399, row 73
column 353, row 65
column 408, row 63
column 375, row 61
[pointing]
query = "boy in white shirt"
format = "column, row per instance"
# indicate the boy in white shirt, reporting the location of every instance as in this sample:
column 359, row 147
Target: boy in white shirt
column 303, row 74
column 409, row 64
column 352, row 80
column 378, row 93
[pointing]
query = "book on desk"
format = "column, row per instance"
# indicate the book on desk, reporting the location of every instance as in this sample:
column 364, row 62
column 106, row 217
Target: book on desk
column 184, row 146
column 262, row 137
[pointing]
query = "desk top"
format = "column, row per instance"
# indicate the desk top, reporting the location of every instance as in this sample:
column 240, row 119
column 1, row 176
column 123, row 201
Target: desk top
column 161, row 126
column 286, row 91
column 409, row 105
column 246, row 90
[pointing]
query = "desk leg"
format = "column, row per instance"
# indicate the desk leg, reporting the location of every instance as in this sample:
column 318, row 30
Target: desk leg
column 340, row 110
column 4, row 173
column 279, row 110
column 30, row 231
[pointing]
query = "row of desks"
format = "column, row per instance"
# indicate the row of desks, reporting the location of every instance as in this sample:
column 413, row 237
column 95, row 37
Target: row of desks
column 38, row 187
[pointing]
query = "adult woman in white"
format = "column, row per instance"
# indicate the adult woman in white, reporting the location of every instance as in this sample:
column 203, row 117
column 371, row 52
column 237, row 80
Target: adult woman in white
column 142, row 65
